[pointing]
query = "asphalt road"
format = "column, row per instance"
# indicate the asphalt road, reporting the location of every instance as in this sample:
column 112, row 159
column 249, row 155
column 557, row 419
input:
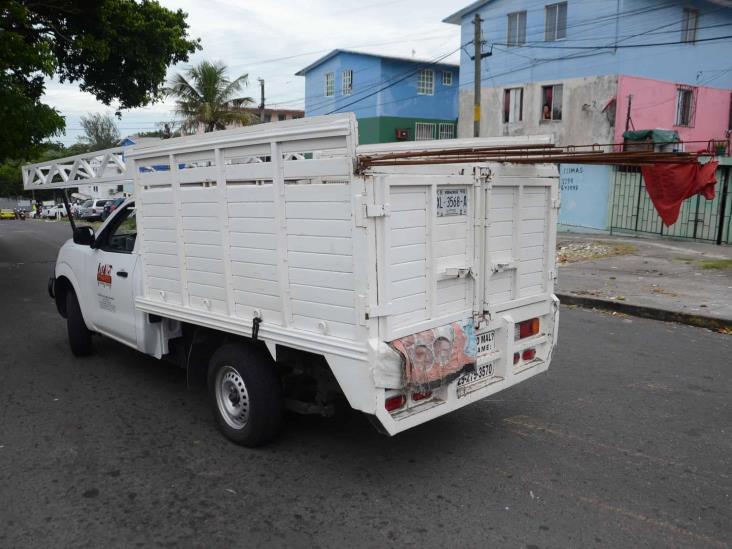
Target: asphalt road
column 625, row 442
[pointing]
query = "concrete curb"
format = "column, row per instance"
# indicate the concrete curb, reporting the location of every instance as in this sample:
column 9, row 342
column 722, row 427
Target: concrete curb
column 700, row 321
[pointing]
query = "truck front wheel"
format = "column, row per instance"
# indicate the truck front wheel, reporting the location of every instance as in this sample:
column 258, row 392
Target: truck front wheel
column 79, row 335
column 245, row 394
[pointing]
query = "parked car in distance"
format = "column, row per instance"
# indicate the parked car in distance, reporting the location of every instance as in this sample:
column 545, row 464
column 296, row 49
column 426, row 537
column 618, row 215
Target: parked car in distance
column 92, row 209
column 111, row 206
column 7, row 213
column 51, row 212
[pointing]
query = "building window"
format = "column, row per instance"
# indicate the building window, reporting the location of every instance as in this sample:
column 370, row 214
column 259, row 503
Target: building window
column 555, row 27
column 280, row 117
column 347, row 82
column 685, row 106
column 426, row 82
column 516, row 35
column 513, row 105
column 447, row 78
column 551, row 102
column 689, row 25
column 424, row 131
column 329, row 84
column 447, row 130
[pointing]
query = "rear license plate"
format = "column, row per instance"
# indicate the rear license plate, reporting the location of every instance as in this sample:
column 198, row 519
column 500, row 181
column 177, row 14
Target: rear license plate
column 477, row 379
column 452, row 202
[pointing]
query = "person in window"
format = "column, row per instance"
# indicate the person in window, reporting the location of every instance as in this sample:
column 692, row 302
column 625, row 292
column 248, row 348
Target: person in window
column 546, row 113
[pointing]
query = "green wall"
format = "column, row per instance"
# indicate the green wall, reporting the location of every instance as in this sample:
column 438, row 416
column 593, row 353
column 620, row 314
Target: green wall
column 382, row 129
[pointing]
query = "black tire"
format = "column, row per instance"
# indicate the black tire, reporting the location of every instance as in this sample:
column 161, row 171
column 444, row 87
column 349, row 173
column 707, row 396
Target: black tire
column 252, row 413
column 79, row 335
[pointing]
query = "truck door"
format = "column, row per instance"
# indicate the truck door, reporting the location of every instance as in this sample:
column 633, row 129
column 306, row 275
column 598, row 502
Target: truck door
column 112, row 270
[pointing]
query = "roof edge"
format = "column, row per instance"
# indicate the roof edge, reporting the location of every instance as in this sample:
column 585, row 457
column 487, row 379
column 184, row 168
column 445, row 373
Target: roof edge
column 455, row 18
column 333, row 53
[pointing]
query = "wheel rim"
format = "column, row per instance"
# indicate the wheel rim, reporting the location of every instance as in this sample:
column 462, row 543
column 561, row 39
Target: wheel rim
column 232, row 398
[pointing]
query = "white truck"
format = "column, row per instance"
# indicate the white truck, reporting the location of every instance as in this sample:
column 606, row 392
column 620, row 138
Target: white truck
column 263, row 258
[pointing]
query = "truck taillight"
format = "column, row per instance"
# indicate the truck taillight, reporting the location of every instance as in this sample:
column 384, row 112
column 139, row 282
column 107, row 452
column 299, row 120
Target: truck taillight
column 527, row 328
column 421, row 396
column 395, row 402
column 528, row 354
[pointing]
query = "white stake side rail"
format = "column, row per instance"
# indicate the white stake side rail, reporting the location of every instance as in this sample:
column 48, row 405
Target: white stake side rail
column 105, row 166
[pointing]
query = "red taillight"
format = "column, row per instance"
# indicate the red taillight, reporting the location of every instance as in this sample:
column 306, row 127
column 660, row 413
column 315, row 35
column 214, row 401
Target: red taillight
column 395, row 402
column 528, row 354
column 421, row 396
column 528, row 328
column 516, row 357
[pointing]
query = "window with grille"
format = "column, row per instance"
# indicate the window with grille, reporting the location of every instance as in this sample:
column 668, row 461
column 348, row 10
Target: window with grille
column 447, row 78
column 513, row 105
column 424, row 131
column 426, row 82
column 447, row 130
column 688, row 25
column 555, row 27
column 551, row 106
column 516, row 34
column 329, row 84
column 347, row 82
column 685, row 106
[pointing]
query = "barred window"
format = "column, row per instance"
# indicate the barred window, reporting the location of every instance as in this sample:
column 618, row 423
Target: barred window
column 555, row 26
column 516, row 34
column 424, row 131
column 447, row 130
column 447, row 78
column 329, row 84
column 426, row 82
column 685, row 106
column 689, row 25
column 347, row 82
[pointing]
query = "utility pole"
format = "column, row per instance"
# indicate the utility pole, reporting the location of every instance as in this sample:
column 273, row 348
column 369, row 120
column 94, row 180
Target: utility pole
column 478, row 51
column 261, row 104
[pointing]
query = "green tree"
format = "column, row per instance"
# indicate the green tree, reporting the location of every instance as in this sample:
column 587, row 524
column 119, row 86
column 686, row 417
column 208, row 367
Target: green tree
column 100, row 132
column 117, row 50
column 205, row 96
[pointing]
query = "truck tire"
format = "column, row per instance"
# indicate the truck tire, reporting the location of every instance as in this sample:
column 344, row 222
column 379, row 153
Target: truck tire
column 245, row 394
column 79, row 335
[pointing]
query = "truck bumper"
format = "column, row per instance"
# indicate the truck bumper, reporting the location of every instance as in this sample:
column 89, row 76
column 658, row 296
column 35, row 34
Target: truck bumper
column 505, row 372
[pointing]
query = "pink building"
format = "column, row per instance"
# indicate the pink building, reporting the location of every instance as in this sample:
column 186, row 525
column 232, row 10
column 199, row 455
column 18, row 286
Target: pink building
column 696, row 113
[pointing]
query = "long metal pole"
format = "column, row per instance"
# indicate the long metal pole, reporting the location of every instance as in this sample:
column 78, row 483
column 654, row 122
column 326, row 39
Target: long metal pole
column 723, row 206
column 261, row 104
column 477, row 51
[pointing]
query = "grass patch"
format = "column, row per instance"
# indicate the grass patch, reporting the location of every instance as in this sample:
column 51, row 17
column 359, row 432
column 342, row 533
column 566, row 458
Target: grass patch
column 619, row 248
column 715, row 263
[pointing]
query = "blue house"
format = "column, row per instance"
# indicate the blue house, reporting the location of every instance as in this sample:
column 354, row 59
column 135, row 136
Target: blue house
column 394, row 98
column 585, row 71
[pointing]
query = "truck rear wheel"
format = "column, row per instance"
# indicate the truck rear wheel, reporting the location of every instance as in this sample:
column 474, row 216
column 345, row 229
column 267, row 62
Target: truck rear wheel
column 245, row 393
column 79, row 335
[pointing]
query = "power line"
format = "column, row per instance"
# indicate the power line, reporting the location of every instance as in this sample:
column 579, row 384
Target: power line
column 617, row 46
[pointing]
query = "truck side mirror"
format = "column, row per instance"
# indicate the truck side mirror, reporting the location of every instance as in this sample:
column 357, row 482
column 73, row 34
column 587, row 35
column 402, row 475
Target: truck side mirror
column 84, row 235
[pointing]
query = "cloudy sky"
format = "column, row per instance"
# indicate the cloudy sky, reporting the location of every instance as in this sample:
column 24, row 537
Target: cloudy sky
column 274, row 39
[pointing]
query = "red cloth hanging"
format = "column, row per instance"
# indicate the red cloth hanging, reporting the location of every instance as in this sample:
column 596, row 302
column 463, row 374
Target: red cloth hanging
column 669, row 185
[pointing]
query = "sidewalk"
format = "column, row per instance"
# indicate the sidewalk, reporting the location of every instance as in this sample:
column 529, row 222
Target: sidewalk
column 687, row 282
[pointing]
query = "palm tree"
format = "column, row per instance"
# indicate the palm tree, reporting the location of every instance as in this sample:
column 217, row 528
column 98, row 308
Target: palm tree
column 206, row 97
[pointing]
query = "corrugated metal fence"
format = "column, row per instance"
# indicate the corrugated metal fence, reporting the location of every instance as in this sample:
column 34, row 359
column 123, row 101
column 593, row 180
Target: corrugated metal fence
column 700, row 219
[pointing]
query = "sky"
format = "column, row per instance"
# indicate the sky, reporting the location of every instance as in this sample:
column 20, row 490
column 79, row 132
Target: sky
column 253, row 38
